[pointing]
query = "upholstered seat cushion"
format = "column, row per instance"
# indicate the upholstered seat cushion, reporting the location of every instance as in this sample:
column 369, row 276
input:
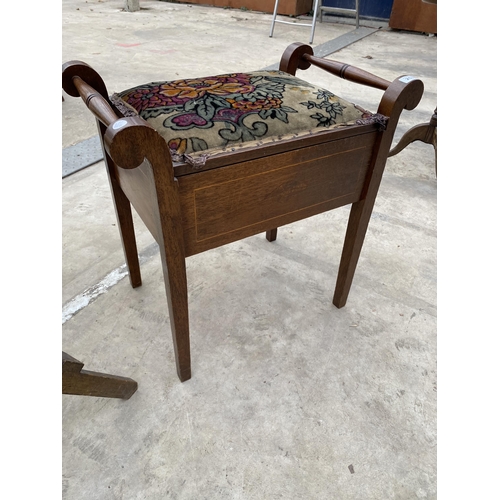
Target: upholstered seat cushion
column 202, row 116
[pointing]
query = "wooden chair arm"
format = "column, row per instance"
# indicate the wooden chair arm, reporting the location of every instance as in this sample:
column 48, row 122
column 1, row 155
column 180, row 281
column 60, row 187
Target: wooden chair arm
column 126, row 139
column 301, row 56
column 348, row 72
column 95, row 102
column 80, row 80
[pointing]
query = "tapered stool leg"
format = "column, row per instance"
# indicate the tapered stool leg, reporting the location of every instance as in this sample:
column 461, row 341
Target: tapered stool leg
column 174, row 273
column 359, row 219
column 125, row 220
column 272, row 234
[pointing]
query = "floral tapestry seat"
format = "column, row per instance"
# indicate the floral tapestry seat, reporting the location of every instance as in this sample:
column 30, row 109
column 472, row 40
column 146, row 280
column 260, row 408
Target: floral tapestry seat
column 210, row 161
column 205, row 116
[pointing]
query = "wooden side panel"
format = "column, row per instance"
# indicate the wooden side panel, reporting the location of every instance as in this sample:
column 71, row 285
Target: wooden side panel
column 229, row 203
column 138, row 185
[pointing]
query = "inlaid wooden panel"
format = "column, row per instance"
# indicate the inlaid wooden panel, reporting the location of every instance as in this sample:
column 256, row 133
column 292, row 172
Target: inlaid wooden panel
column 230, row 203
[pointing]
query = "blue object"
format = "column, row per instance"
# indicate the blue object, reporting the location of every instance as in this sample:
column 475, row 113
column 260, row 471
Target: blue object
column 371, row 9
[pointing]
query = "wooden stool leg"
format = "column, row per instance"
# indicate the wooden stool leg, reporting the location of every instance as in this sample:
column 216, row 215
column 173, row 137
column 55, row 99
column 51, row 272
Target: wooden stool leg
column 272, row 234
column 158, row 183
column 174, row 273
column 359, row 219
column 123, row 211
column 125, row 220
column 85, row 383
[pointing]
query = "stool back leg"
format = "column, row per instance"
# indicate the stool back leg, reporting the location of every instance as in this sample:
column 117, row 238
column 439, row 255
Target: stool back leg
column 125, row 220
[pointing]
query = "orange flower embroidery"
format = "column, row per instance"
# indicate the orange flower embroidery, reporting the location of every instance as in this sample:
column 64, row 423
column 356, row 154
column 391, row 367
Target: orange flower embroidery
column 256, row 105
column 178, row 145
column 195, row 88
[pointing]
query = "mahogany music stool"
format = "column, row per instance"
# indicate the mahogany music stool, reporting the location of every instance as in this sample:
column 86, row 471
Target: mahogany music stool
column 209, row 161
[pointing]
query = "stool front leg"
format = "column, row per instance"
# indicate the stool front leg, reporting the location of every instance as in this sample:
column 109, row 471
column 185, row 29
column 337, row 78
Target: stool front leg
column 133, row 144
column 272, row 234
column 403, row 93
column 359, row 219
column 173, row 257
column 174, row 274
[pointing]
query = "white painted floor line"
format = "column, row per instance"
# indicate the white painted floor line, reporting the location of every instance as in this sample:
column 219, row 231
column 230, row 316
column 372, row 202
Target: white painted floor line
column 90, row 294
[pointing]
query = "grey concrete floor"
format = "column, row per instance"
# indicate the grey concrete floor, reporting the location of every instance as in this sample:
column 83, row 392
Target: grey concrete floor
column 290, row 397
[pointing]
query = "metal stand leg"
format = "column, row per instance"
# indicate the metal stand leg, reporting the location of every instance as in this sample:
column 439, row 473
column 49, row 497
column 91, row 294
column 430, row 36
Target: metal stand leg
column 312, row 25
column 274, row 18
column 315, row 16
column 340, row 10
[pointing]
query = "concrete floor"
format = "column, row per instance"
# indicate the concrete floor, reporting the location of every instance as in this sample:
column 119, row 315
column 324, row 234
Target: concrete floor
column 290, row 397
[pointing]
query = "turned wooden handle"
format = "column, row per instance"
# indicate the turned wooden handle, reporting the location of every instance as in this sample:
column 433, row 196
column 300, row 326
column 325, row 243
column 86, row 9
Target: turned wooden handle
column 95, row 102
column 348, row 72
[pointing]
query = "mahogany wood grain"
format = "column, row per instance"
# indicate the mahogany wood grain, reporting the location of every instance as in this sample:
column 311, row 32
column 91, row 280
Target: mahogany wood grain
column 71, row 69
column 95, row 102
column 133, row 145
column 230, row 203
column 399, row 95
column 138, row 184
column 348, row 72
column 300, row 56
column 80, row 80
column 124, row 216
column 294, row 58
column 271, row 234
column 273, row 148
column 237, row 194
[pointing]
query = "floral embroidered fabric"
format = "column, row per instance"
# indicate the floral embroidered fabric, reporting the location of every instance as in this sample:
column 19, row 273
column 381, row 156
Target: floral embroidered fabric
column 199, row 117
